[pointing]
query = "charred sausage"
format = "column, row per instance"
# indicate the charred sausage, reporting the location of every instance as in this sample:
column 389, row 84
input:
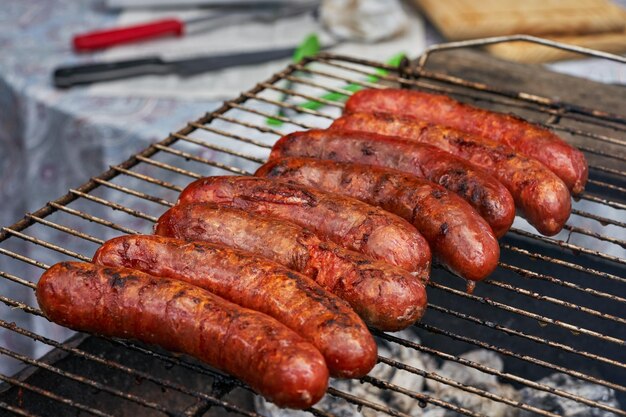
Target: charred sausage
column 541, row 197
column 259, row 284
column 486, row 194
column 120, row 302
column 460, row 239
column 343, row 220
column 386, row 297
column 567, row 162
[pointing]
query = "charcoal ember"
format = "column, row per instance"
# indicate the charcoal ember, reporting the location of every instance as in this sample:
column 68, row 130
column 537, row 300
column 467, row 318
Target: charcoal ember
column 335, row 405
column 475, row 403
column 430, row 364
column 369, row 392
column 477, row 379
column 566, row 407
column 467, row 375
column 400, row 377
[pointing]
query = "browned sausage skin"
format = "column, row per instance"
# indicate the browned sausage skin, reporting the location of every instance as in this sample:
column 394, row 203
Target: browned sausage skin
column 343, row 220
column 486, row 194
column 461, row 240
column 259, row 284
column 386, row 297
column 541, row 197
column 567, row 162
column 120, row 302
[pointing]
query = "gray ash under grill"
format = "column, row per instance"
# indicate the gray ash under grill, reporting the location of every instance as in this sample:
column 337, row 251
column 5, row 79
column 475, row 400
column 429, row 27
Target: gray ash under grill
column 554, row 306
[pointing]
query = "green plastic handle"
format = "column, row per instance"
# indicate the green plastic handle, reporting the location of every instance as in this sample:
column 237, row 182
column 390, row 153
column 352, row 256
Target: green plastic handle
column 333, row 96
column 314, row 105
column 310, row 46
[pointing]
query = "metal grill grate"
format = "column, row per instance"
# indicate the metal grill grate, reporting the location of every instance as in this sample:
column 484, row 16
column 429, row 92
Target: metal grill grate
column 553, row 305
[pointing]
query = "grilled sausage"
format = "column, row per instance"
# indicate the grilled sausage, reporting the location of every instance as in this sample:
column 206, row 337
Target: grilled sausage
column 488, row 196
column 567, row 162
column 258, row 284
column 386, row 297
column 460, row 239
column 541, row 197
column 343, row 220
column 120, row 302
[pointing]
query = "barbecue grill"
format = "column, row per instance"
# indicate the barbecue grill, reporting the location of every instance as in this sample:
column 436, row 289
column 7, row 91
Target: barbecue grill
column 553, row 305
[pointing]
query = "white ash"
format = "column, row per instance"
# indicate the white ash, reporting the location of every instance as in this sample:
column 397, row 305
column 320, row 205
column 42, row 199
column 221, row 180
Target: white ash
column 566, row 407
column 415, row 383
column 399, row 377
column 459, row 373
column 466, row 375
column 474, row 378
column 367, row 391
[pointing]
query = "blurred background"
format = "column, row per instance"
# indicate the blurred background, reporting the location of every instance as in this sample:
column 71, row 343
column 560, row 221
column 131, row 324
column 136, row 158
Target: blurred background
column 167, row 61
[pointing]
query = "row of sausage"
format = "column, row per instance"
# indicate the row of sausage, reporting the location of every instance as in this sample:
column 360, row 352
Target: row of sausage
column 274, row 278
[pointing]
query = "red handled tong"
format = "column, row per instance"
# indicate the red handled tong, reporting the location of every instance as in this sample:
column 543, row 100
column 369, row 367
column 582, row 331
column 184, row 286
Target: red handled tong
column 110, row 37
column 101, row 39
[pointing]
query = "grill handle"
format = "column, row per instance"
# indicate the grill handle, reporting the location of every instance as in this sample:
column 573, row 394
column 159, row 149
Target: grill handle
column 515, row 38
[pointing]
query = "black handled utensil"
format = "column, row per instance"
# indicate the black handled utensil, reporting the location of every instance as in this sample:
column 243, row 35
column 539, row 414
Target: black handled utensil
column 65, row 77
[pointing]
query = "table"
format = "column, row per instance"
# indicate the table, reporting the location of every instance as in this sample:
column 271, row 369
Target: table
column 51, row 140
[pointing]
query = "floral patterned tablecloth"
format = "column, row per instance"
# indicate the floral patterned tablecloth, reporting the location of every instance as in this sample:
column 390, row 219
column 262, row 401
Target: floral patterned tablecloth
column 50, row 139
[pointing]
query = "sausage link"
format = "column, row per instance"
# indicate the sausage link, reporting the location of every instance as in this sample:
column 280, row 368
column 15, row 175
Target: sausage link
column 386, row 297
column 343, row 220
column 541, row 197
column 567, row 162
column 460, row 239
column 120, row 302
column 259, row 284
column 486, row 194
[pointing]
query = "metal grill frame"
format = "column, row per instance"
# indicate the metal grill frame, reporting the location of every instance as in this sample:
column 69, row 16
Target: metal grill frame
column 407, row 76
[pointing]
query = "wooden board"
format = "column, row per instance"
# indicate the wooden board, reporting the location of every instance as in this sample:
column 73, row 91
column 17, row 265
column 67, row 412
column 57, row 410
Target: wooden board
column 478, row 66
column 467, row 19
